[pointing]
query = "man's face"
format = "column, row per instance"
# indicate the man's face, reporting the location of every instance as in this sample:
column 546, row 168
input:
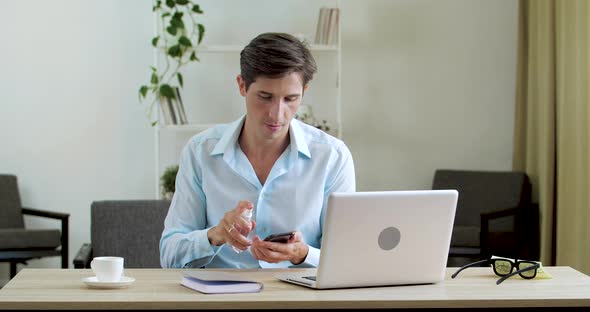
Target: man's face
column 271, row 104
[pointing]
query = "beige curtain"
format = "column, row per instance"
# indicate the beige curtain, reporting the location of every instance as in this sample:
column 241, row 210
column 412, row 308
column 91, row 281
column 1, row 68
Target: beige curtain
column 552, row 131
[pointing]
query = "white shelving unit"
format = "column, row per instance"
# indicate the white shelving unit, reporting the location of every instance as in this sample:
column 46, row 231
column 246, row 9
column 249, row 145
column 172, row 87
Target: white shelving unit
column 210, row 94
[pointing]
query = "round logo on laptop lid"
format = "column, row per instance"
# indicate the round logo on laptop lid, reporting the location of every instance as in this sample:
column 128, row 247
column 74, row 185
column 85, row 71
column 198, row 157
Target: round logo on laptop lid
column 389, row 238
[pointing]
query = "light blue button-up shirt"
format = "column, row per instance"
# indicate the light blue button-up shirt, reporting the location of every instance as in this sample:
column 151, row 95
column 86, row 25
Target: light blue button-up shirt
column 215, row 175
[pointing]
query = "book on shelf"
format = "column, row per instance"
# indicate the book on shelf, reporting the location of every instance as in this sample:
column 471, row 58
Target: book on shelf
column 216, row 282
column 173, row 110
column 327, row 27
column 181, row 112
column 167, row 108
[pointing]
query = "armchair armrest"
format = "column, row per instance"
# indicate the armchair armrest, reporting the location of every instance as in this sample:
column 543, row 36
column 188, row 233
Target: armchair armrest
column 487, row 216
column 83, row 257
column 64, row 217
column 45, row 214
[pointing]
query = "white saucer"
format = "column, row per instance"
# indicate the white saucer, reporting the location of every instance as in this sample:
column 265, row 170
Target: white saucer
column 93, row 282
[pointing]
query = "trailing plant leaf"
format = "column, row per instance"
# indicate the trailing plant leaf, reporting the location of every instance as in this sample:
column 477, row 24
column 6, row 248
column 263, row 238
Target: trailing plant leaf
column 157, row 5
column 143, row 91
column 184, row 41
column 174, row 51
column 178, row 37
column 180, row 79
column 171, row 30
column 201, row 32
column 167, row 91
column 176, row 22
column 197, row 9
column 194, row 57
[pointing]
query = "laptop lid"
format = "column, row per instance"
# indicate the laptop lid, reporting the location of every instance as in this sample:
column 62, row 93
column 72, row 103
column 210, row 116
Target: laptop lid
column 386, row 238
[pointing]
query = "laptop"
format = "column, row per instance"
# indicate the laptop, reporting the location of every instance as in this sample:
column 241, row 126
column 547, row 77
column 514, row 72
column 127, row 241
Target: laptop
column 383, row 238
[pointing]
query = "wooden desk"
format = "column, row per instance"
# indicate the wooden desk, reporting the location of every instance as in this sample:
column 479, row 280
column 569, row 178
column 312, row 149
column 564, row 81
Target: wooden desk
column 161, row 289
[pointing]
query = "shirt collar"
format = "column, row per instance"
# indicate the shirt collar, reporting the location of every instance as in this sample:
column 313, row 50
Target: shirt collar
column 232, row 133
column 230, row 137
column 298, row 139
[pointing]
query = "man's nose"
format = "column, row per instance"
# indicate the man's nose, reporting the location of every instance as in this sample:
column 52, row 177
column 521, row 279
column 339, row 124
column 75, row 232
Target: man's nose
column 276, row 109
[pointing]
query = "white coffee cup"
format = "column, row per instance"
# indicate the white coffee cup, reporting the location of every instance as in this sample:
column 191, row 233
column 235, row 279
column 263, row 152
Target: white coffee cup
column 107, row 269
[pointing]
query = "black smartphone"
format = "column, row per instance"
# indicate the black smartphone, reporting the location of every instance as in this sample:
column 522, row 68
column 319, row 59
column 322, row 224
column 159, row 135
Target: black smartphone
column 280, row 237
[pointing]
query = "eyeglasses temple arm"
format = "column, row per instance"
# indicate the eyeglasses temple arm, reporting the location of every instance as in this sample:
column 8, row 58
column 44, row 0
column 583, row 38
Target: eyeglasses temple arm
column 536, row 266
column 468, row 266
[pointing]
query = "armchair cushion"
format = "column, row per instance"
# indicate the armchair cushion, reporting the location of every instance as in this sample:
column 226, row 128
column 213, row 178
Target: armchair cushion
column 26, row 239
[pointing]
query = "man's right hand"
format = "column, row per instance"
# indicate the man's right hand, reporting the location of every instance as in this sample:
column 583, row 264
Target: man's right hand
column 231, row 227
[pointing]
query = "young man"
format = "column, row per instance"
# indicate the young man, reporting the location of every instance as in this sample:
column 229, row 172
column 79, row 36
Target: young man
column 281, row 168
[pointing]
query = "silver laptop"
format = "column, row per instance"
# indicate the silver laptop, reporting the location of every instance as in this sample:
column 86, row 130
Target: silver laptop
column 383, row 238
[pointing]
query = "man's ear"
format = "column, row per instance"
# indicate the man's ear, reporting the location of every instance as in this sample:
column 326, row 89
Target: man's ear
column 305, row 88
column 241, row 85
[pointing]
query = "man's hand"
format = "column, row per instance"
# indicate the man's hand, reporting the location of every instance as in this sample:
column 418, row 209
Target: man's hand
column 231, row 227
column 295, row 250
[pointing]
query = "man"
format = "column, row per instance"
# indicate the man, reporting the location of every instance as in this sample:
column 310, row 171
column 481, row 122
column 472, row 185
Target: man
column 267, row 161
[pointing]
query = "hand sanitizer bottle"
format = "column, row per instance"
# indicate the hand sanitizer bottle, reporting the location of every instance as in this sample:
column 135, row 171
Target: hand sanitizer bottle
column 246, row 215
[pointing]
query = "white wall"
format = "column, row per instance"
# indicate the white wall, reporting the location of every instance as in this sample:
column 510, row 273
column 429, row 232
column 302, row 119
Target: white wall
column 71, row 127
column 427, row 84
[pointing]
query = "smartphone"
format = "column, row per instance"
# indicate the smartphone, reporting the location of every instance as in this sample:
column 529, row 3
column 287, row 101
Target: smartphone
column 280, row 238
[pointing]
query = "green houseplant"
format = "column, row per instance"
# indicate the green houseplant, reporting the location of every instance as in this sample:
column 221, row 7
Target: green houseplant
column 168, row 182
column 178, row 37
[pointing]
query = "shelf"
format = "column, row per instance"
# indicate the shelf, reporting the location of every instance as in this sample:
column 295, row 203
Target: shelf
column 238, row 48
column 189, row 127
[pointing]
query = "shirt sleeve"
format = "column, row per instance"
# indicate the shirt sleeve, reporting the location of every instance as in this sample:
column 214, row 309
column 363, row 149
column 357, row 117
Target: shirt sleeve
column 340, row 179
column 311, row 261
column 184, row 241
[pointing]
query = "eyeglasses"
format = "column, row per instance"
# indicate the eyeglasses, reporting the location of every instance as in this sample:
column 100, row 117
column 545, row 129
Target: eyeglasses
column 503, row 267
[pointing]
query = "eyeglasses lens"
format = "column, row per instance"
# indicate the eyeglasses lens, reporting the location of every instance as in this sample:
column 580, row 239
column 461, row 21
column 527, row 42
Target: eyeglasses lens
column 502, row 267
column 527, row 274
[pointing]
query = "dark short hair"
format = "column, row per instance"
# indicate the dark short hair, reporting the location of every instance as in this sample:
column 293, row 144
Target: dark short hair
column 276, row 55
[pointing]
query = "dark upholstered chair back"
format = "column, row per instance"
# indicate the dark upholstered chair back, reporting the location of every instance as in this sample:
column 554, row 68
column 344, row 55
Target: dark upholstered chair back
column 494, row 215
column 129, row 229
column 484, row 191
column 11, row 215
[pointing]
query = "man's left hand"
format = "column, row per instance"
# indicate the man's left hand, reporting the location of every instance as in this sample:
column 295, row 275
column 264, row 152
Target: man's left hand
column 295, row 250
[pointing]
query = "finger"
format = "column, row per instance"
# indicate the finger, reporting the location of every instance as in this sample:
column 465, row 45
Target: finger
column 243, row 205
column 239, row 239
column 255, row 252
column 237, row 214
column 278, row 247
column 298, row 237
column 273, row 256
column 234, row 237
column 263, row 255
column 236, row 242
column 242, row 223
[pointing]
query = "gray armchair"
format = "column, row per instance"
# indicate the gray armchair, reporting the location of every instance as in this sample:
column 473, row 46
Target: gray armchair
column 495, row 215
column 125, row 228
column 18, row 244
